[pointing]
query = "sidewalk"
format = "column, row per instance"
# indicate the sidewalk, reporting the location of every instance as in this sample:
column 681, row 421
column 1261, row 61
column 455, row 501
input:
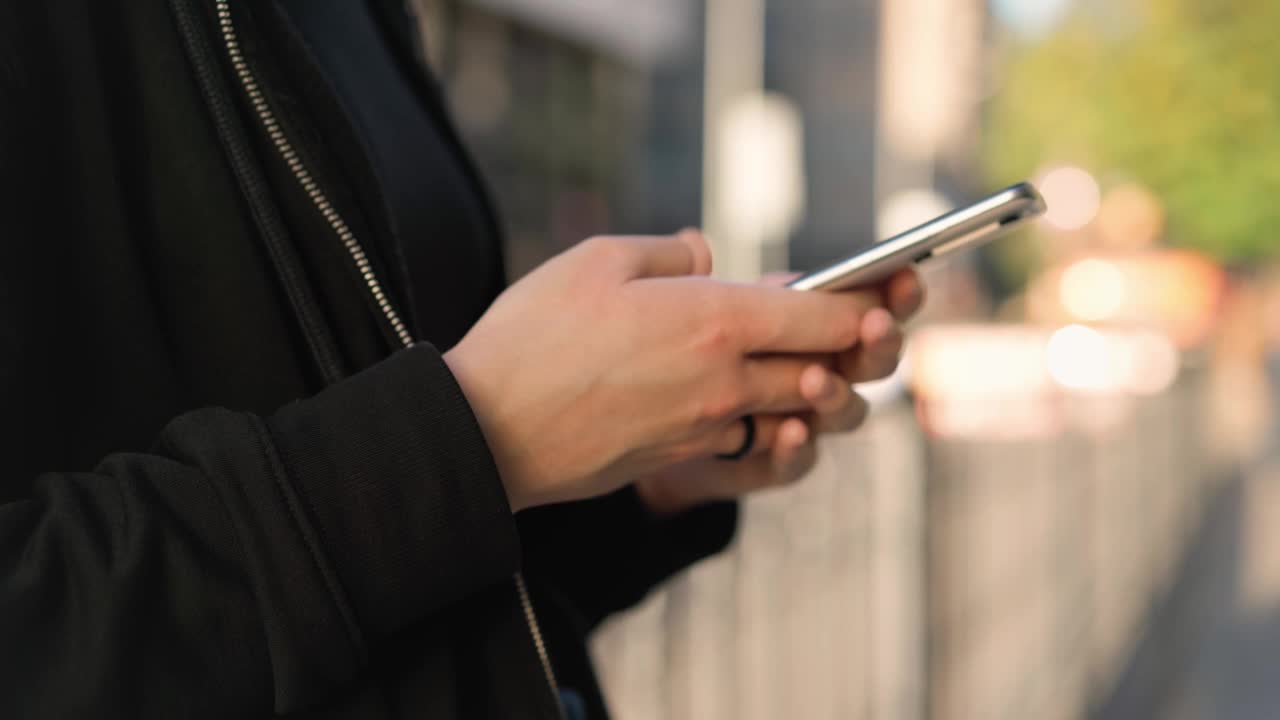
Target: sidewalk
column 1213, row 651
column 1237, row 676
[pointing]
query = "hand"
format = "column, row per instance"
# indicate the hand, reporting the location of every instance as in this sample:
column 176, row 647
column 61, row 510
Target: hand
column 879, row 349
column 785, row 448
column 619, row 358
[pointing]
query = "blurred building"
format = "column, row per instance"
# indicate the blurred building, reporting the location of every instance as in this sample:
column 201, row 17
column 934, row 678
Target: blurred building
column 589, row 117
column 553, row 104
column 824, row 56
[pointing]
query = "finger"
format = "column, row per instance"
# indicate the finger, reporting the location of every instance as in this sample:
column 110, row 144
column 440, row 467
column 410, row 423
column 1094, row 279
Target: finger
column 788, row 321
column 792, row 434
column 729, row 440
column 848, row 418
column 878, row 328
column 827, row 392
column 878, row 351
column 775, row 384
column 795, row 453
column 904, row 293
column 837, row 408
column 700, row 247
column 826, row 360
column 751, row 474
column 782, row 465
column 777, row 279
column 685, row 253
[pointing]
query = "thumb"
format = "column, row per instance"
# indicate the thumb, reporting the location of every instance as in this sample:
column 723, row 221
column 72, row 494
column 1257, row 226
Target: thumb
column 685, row 253
column 777, row 279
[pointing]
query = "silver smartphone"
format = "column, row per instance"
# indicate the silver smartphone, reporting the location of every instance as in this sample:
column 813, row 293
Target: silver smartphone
column 969, row 226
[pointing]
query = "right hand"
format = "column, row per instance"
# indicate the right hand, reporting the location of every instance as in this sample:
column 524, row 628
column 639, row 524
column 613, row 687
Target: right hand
column 618, row 358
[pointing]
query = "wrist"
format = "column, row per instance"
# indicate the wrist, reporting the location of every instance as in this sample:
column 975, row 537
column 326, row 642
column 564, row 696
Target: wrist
column 463, row 373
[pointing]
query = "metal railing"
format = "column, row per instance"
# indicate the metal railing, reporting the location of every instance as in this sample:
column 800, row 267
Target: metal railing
column 912, row 577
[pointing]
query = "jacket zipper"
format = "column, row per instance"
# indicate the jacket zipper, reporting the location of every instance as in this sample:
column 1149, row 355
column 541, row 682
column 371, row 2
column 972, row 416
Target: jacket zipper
column 321, row 201
column 315, row 332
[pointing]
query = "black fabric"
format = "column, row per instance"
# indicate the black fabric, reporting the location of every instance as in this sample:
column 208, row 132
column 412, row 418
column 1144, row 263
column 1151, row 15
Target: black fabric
column 439, row 217
column 191, row 523
column 315, row 124
column 589, row 559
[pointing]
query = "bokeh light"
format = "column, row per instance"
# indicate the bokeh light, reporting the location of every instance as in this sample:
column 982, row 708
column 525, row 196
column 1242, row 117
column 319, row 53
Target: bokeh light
column 1131, row 218
column 983, row 381
column 1092, row 289
column 1030, row 18
column 906, row 209
column 1079, row 358
column 1090, row 360
column 1183, row 291
column 979, row 360
column 1072, row 195
column 1153, row 363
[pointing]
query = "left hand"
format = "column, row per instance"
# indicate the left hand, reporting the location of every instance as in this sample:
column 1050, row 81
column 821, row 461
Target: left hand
column 785, row 447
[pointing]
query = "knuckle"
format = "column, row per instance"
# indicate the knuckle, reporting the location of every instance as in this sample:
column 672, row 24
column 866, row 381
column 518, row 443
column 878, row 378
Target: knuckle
column 696, row 239
column 727, row 311
column 606, row 249
column 718, row 336
column 720, row 405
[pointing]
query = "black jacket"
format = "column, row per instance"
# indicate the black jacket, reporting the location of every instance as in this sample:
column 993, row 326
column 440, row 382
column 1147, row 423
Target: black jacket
column 226, row 488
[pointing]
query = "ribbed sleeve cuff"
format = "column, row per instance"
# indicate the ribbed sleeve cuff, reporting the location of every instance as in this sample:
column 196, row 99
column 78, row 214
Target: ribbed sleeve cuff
column 396, row 477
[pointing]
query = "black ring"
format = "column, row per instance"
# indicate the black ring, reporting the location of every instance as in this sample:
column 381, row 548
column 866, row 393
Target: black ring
column 748, row 442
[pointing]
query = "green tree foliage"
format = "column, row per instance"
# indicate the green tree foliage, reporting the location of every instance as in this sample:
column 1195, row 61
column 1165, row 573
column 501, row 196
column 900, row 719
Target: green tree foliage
column 1180, row 95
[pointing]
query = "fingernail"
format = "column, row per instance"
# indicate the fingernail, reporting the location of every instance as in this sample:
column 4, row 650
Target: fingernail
column 826, row 386
column 877, row 324
column 800, row 434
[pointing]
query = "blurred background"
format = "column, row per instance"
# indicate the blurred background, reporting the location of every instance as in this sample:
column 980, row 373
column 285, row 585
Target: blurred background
column 1067, row 503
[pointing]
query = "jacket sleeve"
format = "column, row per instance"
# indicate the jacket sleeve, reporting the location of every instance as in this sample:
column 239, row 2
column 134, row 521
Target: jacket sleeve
column 247, row 563
column 605, row 555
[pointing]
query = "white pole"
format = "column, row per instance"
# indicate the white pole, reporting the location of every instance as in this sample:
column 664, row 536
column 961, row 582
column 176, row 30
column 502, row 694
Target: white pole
column 734, row 69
